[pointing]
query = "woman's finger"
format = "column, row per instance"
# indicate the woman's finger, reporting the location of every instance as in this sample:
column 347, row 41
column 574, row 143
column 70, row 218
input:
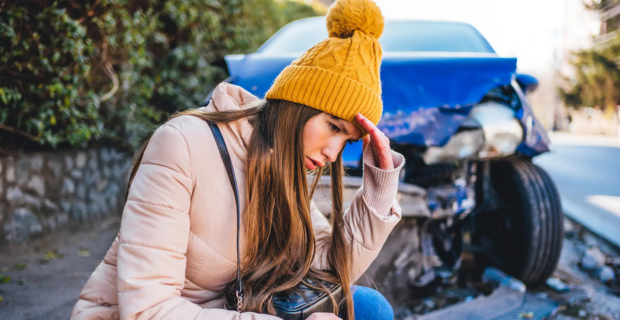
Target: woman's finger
column 365, row 142
column 365, row 123
column 379, row 142
column 382, row 151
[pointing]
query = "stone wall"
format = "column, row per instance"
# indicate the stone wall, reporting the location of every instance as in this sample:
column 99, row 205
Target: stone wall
column 41, row 192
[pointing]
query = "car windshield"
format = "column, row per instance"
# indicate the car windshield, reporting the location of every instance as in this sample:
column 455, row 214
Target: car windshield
column 420, row 36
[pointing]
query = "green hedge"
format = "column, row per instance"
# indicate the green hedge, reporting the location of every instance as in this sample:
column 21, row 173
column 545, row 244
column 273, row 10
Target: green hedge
column 596, row 79
column 76, row 72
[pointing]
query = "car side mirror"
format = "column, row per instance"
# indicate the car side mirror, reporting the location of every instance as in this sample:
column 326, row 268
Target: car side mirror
column 527, row 83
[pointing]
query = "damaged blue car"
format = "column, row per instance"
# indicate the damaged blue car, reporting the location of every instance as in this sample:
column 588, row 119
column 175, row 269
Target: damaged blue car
column 459, row 114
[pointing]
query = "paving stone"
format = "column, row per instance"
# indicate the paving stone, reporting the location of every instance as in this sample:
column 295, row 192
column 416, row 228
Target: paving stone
column 76, row 174
column 557, row 285
column 65, row 205
column 23, row 224
column 50, row 205
column 102, row 184
column 119, row 155
column 37, row 184
column 68, row 187
column 91, row 177
column 103, row 206
column 55, row 165
column 105, row 155
column 94, row 210
column 592, row 259
column 78, row 211
column 80, row 191
column 69, row 163
column 113, row 154
column 57, row 220
column 93, row 162
column 93, row 195
column 119, row 172
column 33, row 201
column 113, row 204
column 62, row 218
column 10, row 170
column 107, row 171
column 22, row 171
column 14, row 194
column 605, row 274
column 36, row 162
column 80, row 159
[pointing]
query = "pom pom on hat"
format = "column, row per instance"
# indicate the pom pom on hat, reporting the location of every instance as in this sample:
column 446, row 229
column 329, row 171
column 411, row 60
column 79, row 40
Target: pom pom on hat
column 346, row 16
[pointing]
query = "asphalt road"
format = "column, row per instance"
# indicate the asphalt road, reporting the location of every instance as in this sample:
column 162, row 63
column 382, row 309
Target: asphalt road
column 586, row 170
column 48, row 291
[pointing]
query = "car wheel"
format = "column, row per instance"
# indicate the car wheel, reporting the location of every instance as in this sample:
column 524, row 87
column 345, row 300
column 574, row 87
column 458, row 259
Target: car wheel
column 524, row 233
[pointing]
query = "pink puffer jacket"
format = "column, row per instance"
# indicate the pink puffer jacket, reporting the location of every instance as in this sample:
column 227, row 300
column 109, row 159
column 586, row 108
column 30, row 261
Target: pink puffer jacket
column 176, row 251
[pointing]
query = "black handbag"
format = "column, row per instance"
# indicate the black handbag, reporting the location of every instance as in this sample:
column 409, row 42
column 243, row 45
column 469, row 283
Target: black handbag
column 297, row 304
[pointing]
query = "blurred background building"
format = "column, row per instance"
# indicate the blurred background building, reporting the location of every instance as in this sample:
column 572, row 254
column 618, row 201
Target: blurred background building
column 582, row 50
column 610, row 21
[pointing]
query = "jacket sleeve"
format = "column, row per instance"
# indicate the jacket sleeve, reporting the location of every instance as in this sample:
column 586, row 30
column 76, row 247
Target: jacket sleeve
column 154, row 236
column 373, row 213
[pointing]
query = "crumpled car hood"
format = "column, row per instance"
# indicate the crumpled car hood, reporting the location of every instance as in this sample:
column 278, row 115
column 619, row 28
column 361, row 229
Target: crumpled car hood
column 426, row 98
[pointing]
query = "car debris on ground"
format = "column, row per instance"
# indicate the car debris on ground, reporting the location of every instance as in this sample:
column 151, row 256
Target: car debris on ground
column 577, row 292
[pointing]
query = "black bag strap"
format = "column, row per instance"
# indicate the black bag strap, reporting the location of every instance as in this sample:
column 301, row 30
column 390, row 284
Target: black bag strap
column 221, row 146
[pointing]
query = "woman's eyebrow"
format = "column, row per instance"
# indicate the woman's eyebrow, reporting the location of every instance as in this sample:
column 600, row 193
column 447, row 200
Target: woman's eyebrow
column 344, row 128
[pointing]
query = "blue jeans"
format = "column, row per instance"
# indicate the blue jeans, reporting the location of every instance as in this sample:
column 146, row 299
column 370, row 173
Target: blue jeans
column 369, row 304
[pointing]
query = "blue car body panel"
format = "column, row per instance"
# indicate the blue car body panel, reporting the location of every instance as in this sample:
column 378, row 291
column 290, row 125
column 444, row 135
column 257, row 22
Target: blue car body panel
column 536, row 140
column 426, row 95
column 426, row 98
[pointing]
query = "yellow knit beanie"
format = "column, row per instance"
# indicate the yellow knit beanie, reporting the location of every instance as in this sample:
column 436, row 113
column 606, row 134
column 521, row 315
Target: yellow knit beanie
column 340, row 75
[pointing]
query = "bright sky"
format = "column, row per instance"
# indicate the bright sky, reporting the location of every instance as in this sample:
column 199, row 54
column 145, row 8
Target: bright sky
column 531, row 30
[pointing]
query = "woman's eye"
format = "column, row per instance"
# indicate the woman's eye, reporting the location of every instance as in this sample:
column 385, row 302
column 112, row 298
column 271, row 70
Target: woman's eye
column 334, row 128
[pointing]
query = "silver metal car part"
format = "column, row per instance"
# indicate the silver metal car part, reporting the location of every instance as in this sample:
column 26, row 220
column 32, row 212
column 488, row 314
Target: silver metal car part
column 491, row 131
column 529, row 127
column 502, row 130
column 462, row 145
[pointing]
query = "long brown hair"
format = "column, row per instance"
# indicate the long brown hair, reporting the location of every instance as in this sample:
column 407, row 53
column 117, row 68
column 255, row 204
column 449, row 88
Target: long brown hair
column 280, row 244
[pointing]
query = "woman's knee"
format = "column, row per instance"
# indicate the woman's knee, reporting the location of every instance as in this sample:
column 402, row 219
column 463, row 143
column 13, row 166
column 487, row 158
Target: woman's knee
column 371, row 304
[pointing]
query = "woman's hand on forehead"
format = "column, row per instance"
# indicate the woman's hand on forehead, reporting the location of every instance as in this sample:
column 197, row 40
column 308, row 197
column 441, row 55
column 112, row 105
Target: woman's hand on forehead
column 379, row 143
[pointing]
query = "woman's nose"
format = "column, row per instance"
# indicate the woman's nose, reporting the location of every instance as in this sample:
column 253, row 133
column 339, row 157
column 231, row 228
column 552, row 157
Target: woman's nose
column 331, row 152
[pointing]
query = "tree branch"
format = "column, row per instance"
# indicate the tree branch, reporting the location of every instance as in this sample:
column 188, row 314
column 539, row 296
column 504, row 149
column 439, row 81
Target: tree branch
column 21, row 133
column 110, row 72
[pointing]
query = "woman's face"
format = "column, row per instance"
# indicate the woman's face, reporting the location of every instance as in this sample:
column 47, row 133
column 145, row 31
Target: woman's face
column 324, row 136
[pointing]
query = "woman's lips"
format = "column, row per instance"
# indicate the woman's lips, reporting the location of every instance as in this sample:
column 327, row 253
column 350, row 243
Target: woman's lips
column 310, row 164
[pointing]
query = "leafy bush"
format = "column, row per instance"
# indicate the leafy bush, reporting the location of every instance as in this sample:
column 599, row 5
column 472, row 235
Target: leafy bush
column 597, row 78
column 75, row 72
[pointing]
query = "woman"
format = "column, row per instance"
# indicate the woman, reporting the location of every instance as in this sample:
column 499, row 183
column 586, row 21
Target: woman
column 176, row 251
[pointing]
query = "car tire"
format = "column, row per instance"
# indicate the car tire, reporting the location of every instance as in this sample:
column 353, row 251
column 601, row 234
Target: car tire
column 532, row 217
